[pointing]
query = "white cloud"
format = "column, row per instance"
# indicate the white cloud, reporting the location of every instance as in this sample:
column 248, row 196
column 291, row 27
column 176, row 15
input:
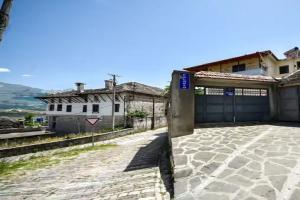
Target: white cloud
column 4, row 69
column 26, row 75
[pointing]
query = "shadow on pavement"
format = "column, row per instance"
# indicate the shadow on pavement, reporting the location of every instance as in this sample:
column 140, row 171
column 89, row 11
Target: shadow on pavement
column 155, row 154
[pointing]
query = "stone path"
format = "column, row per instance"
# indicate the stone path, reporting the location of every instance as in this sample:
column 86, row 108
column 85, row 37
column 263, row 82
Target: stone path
column 127, row 171
column 238, row 163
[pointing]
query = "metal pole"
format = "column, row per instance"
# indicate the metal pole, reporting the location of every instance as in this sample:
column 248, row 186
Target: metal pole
column 113, row 102
column 93, row 139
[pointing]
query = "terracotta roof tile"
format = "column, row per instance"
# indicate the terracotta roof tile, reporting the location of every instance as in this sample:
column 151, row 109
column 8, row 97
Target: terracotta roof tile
column 124, row 87
column 230, row 76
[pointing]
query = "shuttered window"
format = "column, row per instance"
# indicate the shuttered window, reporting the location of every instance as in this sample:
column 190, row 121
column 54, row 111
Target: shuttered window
column 84, row 108
column 117, row 107
column 59, row 107
column 69, row 108
column 51, row 107
column 95, row 108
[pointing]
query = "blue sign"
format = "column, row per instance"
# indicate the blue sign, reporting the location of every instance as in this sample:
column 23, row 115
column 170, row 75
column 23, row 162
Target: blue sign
column 184, row 81
column 229, row 91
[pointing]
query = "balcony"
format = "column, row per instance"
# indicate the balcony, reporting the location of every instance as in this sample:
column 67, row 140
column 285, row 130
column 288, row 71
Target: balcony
column 257, row 71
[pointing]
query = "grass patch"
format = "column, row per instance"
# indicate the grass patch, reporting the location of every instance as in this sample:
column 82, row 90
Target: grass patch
column 36, row 162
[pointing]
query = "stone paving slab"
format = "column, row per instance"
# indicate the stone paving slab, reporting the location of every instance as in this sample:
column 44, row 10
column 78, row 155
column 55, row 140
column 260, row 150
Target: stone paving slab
column 103, row 174
column 238, row 163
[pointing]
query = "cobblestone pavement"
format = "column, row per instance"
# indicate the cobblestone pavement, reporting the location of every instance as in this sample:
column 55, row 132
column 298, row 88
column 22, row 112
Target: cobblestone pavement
column 127, row 171
column 238, row 163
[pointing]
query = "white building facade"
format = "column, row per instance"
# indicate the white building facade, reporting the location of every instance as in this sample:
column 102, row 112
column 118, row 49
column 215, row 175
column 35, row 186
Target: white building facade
column 68, row 112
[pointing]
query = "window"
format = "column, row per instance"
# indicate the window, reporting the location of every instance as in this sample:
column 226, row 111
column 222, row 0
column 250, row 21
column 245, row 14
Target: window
column 298, row 65
column 117, row 98
column 59, row 107
column 70, row 100
column 117, row 107
column 95, row 108
column 284, row 69
column 59, row 100
column 85, row 99
column 251, row 92
column 52, row 100
column 238, row 92
column 263, row 92
column 214, row 91
column 84, row 108
column 69, row 108
column 51, row 107
column 238, row 68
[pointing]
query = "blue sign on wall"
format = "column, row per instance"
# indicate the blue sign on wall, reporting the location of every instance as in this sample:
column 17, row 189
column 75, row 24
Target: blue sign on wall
column 184, row 81
column 229, row 91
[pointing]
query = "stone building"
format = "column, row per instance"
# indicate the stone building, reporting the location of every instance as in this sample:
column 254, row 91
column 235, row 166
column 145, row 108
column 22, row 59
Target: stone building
column 67, row 111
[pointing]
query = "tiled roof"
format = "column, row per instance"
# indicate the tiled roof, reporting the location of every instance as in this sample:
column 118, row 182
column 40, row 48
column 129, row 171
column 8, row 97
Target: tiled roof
column 124, row 87
column 229, row 60
column 291, row 78
column 230, row 76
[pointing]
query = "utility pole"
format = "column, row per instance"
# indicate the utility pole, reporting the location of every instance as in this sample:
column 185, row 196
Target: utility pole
column 4, row 16
column 113, row 100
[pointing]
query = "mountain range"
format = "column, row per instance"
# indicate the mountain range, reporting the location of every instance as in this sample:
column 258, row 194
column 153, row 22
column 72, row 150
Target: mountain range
column 13, row 96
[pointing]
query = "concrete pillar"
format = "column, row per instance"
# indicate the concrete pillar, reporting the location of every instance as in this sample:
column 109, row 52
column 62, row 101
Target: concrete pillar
column 273, row 99
column 181, row 114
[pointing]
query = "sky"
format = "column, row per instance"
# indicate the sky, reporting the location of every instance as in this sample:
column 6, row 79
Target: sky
column 50, row 44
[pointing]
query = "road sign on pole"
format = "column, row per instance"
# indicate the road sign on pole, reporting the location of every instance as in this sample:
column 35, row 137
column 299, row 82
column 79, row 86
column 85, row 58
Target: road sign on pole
column 93, row 121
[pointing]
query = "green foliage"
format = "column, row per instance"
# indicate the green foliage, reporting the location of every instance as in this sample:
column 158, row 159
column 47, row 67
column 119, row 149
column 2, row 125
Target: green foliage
column 29, row 117
column 138, row 114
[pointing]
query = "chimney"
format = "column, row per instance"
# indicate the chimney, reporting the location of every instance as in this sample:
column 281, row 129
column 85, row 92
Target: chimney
column 109, row 84
column 80, row 87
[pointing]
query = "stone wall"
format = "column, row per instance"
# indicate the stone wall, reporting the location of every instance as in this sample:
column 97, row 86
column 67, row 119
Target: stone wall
column 6, row 123
column 60, row 144
column 146, row 123
column 19, row 130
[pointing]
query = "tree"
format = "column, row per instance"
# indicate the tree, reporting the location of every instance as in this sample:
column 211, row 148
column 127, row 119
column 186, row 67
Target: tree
column 29, row 119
